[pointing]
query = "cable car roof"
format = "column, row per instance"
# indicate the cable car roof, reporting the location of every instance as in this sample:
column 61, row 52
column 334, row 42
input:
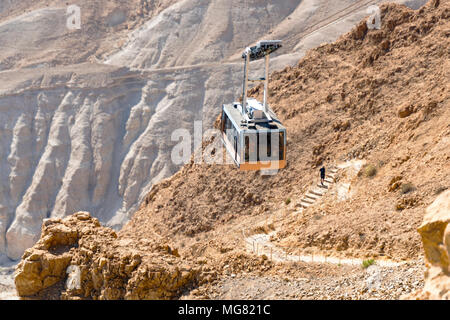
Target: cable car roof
column 235, row 114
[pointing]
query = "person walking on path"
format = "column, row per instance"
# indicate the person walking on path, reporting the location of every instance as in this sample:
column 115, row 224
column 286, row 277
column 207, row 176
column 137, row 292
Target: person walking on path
column 322, row 175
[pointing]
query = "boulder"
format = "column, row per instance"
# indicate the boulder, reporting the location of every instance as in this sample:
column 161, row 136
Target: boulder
column 435, row 233
column 45, row 264
column 40, row 270
column 405, row 110
column 76, row 258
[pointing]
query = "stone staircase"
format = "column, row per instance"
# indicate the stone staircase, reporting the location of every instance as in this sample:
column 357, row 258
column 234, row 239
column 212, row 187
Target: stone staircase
column 317, row 191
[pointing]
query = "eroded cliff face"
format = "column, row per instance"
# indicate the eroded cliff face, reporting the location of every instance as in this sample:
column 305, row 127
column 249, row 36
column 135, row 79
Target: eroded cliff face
column 74, row 143
column 435, row 233
column 77, row 258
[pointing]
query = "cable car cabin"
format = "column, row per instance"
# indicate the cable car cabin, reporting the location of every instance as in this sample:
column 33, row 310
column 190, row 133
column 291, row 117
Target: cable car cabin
column 253, row 146
column 252, row 134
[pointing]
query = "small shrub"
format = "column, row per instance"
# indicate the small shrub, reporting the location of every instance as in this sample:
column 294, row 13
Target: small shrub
column 260, row 230
column 370, row 171
column 395, row 183
column 407, row 203
column 407, row 187
column 367, row 263
column 288, row 200
column 400, row 206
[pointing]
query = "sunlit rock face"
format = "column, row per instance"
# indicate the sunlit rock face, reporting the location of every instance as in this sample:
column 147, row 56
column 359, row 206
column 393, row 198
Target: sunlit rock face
column 435, row 232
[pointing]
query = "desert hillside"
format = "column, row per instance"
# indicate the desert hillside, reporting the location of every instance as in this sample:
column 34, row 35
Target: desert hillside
column 381, row 96
column 87, row 115
column 373, row 107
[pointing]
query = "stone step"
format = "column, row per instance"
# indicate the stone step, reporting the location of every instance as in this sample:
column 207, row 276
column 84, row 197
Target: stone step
column 316, row 192
column 307, row 200
column 312, row 196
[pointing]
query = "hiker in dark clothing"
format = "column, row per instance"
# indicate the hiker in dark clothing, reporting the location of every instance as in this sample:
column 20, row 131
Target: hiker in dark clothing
column 322, row 175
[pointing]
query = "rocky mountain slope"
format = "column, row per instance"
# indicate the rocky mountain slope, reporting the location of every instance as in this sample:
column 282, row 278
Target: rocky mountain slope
column 80, row 131
column 378, row 96
column 342, row 101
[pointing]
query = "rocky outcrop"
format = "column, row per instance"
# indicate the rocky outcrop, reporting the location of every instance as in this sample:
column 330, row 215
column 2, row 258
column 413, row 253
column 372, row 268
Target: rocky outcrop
column 435, row 233
column 77, row 258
